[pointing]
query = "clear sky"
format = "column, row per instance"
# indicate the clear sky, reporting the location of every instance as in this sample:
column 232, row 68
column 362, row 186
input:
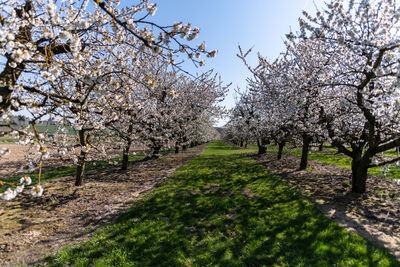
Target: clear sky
column 224, row 24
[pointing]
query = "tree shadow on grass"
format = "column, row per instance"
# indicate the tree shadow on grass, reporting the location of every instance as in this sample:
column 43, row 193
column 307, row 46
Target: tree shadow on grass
column 373, row 215
column 223, row 210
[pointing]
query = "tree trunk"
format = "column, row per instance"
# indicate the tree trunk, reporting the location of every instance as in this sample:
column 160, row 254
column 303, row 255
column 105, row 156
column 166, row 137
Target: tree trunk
column 281, row 145
column 80, row 171
column 245, row 144
column 261, row 148
column 156, row 152
column 294, row 144
column 125, row 156
column 176, row 149
column 185, row 141
column 241, row 143
column 359, row 174
column 321, row 147
column 304, row 152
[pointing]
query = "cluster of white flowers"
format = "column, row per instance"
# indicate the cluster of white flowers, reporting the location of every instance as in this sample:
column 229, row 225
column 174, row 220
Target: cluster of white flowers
column 25, row 180
column 152, row 8
column 37, row 191
column 86, row 148
column 27, row 167
column 10, row 194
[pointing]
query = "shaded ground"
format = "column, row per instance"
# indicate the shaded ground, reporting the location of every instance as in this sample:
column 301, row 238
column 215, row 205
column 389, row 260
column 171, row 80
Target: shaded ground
column 65, row 215
column 375, row 215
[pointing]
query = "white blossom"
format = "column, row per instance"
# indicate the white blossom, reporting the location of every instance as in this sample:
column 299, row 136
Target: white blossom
column 37, row 191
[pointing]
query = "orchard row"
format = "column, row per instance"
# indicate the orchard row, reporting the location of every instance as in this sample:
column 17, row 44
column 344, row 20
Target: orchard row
column 108, row 73
column 338, row 81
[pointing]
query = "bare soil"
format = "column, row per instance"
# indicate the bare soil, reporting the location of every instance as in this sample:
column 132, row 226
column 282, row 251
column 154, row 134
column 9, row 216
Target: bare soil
column 10, row 164
column 66, row 215
column 374, row 215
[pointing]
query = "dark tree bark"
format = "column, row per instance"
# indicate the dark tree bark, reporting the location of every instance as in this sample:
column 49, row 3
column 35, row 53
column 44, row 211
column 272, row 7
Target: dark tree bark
column 125, row 155
column 304, row 152
column 359, row 171
column 176, row 149
column 321, row 147
column 80, row 171
column 359, row 176
column 281, row 145
column 125, row 152
column 241, row 143
column 262, row 149
column 156, row 152
column 9, row 76
column 185, row 141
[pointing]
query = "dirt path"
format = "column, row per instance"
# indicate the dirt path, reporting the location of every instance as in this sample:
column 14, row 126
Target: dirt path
column 375, row 215
column 30, row 228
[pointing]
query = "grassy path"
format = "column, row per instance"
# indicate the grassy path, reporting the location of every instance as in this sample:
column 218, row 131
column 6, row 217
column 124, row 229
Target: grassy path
column 223, row 209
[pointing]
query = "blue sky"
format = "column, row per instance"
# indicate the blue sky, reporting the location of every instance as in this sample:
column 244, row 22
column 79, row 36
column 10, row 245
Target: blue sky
column 224, row 24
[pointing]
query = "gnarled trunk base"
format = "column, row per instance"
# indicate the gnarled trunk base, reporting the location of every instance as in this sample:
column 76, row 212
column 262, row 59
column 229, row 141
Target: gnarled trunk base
column 261, row 147
column 359, row 170
column 280, row 149
column 304, row 152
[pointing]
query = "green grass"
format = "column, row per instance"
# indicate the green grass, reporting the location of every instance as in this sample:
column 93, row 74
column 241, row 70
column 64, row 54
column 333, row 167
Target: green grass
column 223, row 209
column 338, row 160
column 51, row 129
column 8, row 140
column 65, row 171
